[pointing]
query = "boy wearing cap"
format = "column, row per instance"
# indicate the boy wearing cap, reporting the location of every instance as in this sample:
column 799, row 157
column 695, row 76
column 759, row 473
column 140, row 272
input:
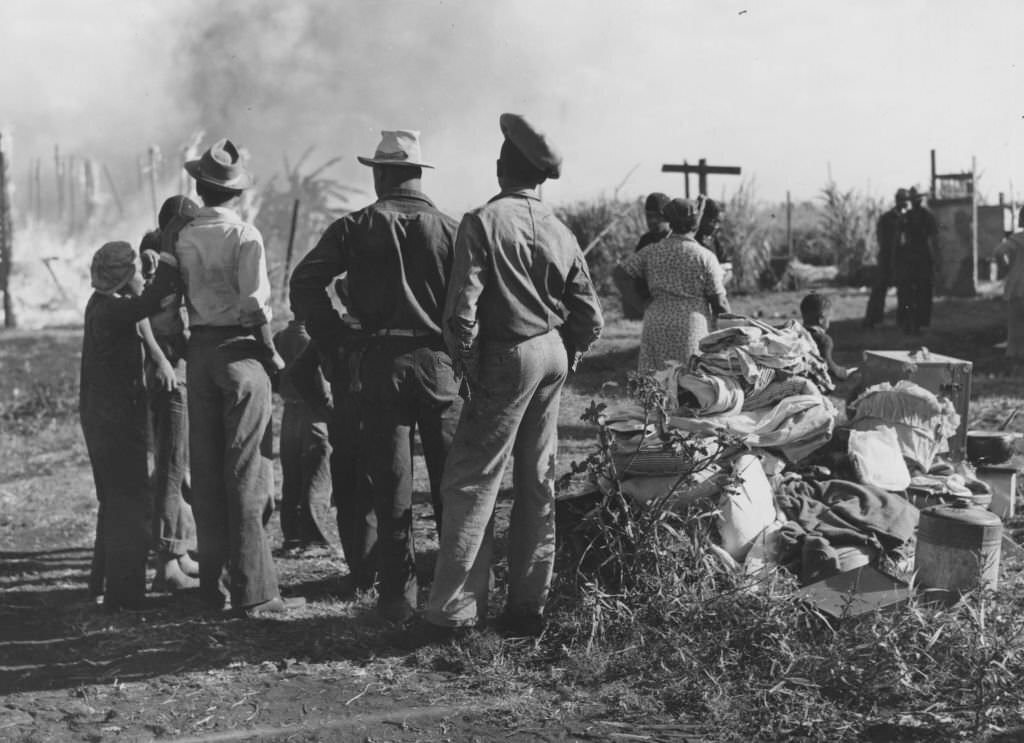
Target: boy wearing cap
column 112, row 407
column 397, row 255
column 520, row 312
column 230, row 351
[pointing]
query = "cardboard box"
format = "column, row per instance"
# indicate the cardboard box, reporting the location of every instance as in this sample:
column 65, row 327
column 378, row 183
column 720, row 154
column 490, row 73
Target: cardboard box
column 944, row 376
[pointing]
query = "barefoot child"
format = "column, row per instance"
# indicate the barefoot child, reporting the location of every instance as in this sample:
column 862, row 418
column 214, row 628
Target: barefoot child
column 165, row 337
column 112, row 406
column 816, row 310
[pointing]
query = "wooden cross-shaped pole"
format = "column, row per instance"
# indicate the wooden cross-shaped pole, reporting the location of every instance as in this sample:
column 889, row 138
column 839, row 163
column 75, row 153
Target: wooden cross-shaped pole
column 703, row 170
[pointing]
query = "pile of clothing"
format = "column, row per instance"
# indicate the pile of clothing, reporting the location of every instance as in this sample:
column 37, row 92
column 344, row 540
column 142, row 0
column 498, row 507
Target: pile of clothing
column 750, row 429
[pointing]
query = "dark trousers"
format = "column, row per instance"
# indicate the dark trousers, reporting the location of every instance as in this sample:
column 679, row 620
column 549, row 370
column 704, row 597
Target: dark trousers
column 357, row 523
column 408, row 387
column 915, row 302
column 115, row 437
column 305, row 473
column 875, row 312
column 175, row 526
column 232, row 477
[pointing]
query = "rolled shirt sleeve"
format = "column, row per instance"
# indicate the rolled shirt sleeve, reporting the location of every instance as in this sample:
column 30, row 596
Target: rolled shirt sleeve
column 253, row 281
column 470, row 268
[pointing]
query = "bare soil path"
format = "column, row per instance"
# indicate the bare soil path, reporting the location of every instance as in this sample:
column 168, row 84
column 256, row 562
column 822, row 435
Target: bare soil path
column 333, row 671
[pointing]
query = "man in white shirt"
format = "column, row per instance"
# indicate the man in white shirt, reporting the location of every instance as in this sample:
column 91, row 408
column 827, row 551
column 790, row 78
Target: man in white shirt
column 223, row 265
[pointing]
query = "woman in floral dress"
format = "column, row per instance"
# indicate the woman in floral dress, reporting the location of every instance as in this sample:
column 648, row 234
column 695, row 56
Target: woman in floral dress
column 686, row 284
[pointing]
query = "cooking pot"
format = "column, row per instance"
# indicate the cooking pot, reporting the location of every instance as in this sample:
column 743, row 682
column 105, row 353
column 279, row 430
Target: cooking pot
column 991, row 447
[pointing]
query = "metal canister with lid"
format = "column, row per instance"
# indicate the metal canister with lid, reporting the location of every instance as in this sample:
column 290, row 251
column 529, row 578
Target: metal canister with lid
column 958, row 548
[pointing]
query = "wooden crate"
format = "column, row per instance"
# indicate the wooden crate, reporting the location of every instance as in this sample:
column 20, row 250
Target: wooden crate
column 944, row 376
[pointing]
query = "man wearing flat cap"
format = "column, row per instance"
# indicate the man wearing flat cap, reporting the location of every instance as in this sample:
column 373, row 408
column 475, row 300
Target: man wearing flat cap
column 230, row 352
column 520, row 312
column 396, row 255
column 891, row 232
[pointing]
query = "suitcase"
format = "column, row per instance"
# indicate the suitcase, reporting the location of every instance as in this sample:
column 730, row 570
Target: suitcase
column 944, row 376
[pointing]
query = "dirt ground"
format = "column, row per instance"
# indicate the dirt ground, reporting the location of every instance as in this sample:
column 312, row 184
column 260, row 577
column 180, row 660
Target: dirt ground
column 333, row 670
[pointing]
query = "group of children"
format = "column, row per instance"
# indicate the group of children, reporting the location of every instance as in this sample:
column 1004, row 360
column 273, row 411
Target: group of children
column 134, row 415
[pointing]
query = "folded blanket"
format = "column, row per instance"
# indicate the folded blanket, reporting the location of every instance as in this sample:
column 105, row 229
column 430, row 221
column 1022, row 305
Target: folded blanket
column 823, row 518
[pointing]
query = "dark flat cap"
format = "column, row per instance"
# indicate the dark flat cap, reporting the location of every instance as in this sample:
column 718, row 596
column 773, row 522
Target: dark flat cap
column 532, row 143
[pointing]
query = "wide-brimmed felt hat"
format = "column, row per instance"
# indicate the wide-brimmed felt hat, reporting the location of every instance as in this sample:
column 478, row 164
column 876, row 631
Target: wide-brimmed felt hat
column 915, row 194
column 113, row 266
column 221, row 166
column 902, row 194
column 397, row 147
column 532, row 143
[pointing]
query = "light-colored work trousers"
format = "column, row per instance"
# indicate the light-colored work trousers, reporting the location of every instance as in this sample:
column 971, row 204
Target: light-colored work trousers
column 513, row 414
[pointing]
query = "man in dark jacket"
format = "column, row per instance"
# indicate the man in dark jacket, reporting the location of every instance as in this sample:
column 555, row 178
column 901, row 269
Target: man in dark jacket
column 521, row 311
column 914, row 276
column 892, row 233
column 390, row 358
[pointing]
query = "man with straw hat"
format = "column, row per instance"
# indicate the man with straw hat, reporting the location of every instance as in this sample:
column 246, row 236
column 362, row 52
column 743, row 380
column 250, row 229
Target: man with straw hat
column 230, row 351
column 520, row 312
column 389, row 361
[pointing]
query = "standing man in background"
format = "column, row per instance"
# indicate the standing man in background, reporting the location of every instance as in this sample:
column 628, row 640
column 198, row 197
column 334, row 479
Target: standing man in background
column 923, row 255
column 891, row 232
column 397, row 254
column 230, row 352
column 520, row 313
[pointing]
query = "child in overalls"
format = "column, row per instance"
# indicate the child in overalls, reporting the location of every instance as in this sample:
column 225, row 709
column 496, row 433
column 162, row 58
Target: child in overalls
column 112, row 406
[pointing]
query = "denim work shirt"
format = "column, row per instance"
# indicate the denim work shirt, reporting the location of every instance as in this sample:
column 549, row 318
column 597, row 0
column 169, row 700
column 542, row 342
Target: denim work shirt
column 397, row 254
column 519, row 272
column 224, row 268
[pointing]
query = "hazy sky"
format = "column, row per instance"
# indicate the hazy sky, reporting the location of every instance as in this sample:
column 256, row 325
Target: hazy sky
column 786, row 89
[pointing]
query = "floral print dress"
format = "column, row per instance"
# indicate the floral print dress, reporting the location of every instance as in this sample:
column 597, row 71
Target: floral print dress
column 681, row 275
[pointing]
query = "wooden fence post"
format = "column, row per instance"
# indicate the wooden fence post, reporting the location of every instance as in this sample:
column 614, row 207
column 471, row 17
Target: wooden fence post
column 113, row 190
column 6, row 229
column 58, row 169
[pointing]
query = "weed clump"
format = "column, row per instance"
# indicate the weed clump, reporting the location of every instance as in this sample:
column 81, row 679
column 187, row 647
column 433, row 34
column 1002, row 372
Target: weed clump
column 647, row 614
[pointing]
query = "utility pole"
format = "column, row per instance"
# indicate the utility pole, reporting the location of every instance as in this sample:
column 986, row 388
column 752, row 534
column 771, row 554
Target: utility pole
column 702, row 170
column 6, row 229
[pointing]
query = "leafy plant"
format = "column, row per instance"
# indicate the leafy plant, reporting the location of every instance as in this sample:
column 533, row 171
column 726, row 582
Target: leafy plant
column 746, row 235
column 847, row 228
column 610, row 228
